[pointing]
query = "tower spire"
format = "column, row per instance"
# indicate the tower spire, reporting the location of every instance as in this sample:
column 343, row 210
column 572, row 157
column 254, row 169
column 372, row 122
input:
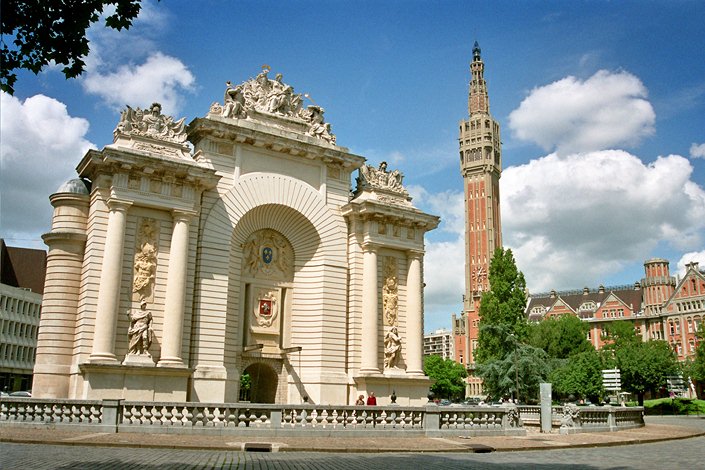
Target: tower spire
column 481, row 167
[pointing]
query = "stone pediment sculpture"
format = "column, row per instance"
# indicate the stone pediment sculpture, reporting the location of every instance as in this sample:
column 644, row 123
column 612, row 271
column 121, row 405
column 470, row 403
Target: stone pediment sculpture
column 150, row 130
column 262, row 97
column 387, row 184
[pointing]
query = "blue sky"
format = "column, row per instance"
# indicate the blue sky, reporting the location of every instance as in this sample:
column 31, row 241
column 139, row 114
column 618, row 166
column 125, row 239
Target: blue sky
column 601, row 105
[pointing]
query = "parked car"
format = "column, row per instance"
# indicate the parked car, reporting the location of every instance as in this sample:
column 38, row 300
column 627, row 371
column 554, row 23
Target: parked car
column 21, row 394
column 444, row 402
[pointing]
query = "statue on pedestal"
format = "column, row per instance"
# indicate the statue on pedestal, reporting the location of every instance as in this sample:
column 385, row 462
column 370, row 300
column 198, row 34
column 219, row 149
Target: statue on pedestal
column 392, row 347
column 140, row 332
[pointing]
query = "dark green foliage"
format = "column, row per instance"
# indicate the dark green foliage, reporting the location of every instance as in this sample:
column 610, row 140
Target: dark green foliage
column 502, row 309
column 561, row 337
column 645, row 366
column 36, row 33
column 528, row 364
column 697, row 368
column 580, row 376
column 448, row 375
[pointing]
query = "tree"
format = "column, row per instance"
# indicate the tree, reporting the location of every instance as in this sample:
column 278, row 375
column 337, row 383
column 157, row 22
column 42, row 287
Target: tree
column 36, row 33
column 645, row 366
column 526, row 368
column 502, row 309
column 580, row 376
column 448, row 375
column 696, row 368
column 560, row 337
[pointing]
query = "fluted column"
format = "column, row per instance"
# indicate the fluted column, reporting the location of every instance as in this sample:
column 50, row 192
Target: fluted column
column 109, row 291
column 370, row 299
column 414, row 315
column 175, row 292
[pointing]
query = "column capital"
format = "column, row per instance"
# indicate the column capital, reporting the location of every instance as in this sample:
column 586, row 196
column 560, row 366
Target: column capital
column 116, row 204
column 414, row 254
column 370, row 247
column 182, row 215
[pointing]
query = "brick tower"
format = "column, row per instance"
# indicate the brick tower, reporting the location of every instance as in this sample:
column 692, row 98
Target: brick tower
column 481, row 167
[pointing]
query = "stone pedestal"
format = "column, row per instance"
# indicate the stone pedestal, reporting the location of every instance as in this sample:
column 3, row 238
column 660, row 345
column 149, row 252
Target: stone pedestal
column 135, row 382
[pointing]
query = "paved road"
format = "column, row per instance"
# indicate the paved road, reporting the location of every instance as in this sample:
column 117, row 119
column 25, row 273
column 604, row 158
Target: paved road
column 678, row 454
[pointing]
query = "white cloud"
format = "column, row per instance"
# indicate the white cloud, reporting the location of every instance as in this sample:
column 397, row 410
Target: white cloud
column 693, row 256
column 126, row 68
column 160, row 78
column 41, row 144
column 570, row 115
column 697, row 150
column 576, row 219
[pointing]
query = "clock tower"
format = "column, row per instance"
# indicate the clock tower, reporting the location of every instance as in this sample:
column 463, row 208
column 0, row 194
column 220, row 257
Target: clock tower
column 481, row 167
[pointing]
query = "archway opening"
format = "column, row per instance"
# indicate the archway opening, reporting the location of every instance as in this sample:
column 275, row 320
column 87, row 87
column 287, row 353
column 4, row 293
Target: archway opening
column 263, row 382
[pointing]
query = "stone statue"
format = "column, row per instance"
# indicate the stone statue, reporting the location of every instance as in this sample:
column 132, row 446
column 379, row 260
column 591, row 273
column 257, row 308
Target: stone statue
column 151, row 123
column 140, row 332
column 272, row 97
column 392, row 347
column 380, row 178
column 512, row 414
column 234, row 101
column 571, row 415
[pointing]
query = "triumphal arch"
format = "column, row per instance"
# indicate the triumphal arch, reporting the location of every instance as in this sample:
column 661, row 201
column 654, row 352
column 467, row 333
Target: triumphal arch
column 199, row 262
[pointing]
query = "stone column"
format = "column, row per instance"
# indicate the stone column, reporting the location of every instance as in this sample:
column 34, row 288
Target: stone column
column 370, row 299
column 414, row 315
column 109, row 291
column 175, row 292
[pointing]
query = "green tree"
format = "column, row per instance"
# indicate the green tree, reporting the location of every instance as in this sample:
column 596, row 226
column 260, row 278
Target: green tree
column 526, row 367
column 502, row 319
column 449, row 377
column 36, row 33
column 696, row 369
column 580, row 376
column 645, row 366
column 560, row 337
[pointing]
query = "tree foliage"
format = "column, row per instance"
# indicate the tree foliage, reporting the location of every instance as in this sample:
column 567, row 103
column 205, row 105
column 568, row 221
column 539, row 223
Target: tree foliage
column 448, row 375
column 696, row 368
column 580, row 376
column 645, row 366
column 560, row 337
column 526, row 367
column 36, row 33
column 502, row 319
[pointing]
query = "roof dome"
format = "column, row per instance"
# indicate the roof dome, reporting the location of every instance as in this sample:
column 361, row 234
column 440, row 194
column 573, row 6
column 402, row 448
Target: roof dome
column 75, row 186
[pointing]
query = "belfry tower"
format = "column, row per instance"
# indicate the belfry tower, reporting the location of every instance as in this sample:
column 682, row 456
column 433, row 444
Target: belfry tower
column 481, row 167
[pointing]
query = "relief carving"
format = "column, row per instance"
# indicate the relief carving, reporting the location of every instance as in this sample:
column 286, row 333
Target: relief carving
column 267, row 254
column 266, row 308
column 264, row 95
column 145, row 264
column 390, row 291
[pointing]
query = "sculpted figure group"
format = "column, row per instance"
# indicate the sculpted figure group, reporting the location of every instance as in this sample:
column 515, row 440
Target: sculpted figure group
column 151, row 123
column 273, row 97
column 381, row 178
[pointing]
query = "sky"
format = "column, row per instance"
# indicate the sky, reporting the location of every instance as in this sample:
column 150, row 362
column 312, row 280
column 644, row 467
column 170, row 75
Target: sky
column 601, row 107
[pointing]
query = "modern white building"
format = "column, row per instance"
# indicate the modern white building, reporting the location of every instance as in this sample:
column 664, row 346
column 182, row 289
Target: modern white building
column 186, row 256
column 439, row 343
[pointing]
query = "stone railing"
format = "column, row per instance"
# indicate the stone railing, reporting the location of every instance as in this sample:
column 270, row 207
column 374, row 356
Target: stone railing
column 260, row 419
column 587, row 418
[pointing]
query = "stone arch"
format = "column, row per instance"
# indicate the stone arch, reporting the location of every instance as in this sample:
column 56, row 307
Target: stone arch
column 264, row 382
column 255, row 201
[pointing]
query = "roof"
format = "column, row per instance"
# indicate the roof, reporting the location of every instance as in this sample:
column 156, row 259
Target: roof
column 631, row 297
column 23, row 267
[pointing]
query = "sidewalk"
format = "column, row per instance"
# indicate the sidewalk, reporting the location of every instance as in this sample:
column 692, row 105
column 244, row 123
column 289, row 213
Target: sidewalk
column 532, row 441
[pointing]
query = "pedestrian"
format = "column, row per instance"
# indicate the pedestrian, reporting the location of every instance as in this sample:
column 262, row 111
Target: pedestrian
column 371, row 399
column 360, row 400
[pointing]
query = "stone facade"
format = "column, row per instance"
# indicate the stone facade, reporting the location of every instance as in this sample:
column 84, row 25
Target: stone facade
column 194, row 254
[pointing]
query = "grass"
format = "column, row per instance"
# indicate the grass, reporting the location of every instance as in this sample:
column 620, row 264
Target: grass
column 675, row 406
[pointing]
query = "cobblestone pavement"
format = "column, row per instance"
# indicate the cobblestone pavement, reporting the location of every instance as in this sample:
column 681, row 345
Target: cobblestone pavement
column 674, row 454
